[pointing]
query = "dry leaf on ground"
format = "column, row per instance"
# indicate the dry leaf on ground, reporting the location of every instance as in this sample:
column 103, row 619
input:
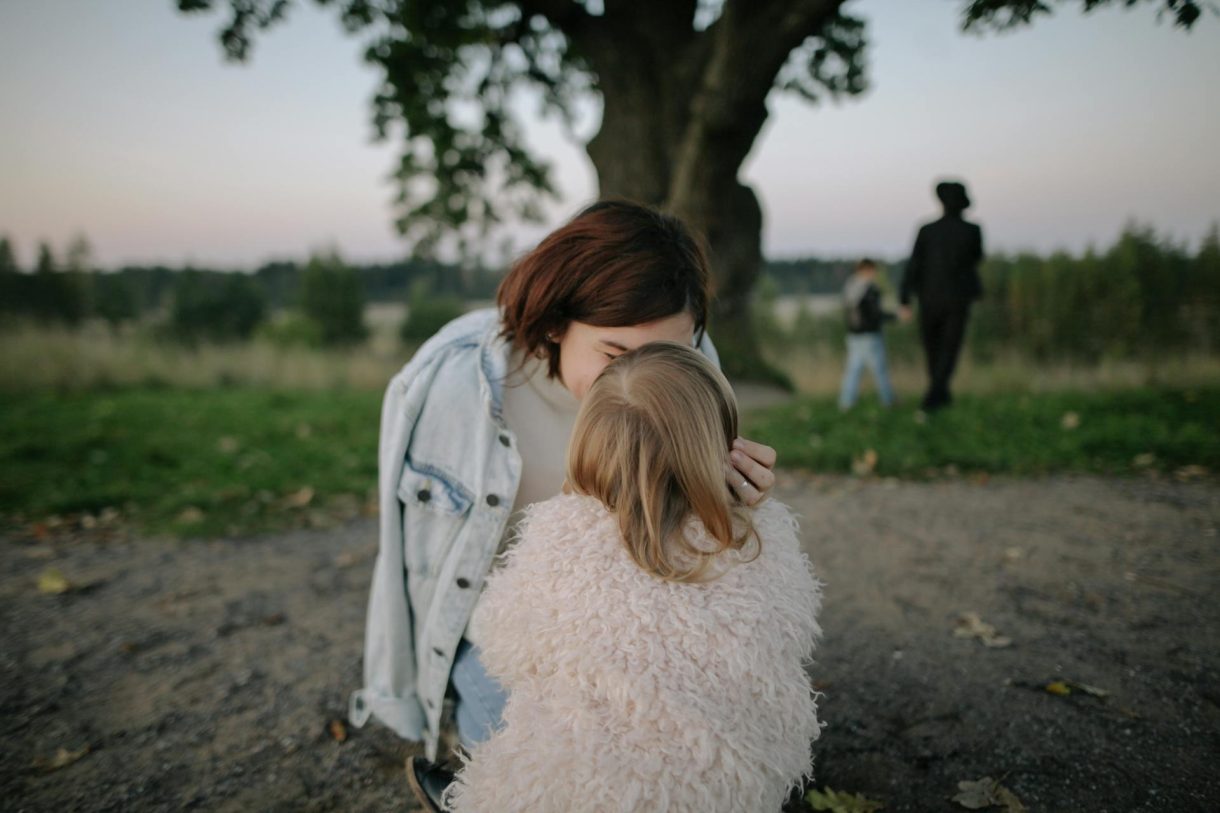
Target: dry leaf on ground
column 62, row 759
column 337, row 730
column 970, row 625
column 299, row 499
column 841, row 802
column 52, row 582
column 190, row 515
column 1063, row 688
column 864, row 465
column 987, row 792
column 1070, row 420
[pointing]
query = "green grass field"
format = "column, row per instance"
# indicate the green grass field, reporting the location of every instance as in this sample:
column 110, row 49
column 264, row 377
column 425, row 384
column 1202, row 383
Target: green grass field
column 240, row 460
column 203, row 462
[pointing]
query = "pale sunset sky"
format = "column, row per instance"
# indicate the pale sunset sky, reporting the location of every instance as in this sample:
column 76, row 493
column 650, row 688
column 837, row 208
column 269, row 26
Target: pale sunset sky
column 121, row 120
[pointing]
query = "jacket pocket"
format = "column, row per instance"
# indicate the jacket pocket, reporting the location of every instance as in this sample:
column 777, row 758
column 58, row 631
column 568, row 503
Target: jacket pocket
column 434, row 508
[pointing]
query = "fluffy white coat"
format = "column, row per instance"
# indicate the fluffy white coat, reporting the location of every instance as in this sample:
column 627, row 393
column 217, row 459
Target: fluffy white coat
column 630, row 693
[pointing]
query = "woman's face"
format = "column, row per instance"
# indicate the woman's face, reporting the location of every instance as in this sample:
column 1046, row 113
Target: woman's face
column 585, row 350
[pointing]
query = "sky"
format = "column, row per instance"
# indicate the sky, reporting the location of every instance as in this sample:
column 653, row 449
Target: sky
column 122, row 121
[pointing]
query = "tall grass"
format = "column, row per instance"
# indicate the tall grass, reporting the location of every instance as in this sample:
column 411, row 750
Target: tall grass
column 50, row 358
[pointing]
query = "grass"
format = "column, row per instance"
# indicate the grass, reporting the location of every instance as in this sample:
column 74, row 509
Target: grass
column 232, row 461
column 47, row 358
column 1101, row 432
column 205, row 463
column 223, row 440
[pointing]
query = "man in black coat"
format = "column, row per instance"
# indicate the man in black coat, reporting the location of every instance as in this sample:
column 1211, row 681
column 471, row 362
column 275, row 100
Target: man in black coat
column 943, row 274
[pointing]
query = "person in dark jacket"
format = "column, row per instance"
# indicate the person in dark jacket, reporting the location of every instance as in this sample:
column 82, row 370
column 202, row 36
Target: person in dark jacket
column 865, row 344
column 943, row 275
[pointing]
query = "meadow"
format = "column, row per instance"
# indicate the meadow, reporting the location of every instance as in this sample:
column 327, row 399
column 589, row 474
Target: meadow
column 104, row 426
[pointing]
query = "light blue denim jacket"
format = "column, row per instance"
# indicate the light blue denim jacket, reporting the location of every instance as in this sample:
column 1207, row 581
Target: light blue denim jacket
column 448, row 471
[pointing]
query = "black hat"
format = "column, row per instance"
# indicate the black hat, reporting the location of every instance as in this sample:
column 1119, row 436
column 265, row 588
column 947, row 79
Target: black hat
column 953, row 195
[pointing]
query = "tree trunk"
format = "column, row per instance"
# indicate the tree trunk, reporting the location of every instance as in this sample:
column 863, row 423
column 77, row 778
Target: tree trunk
column 681, row 112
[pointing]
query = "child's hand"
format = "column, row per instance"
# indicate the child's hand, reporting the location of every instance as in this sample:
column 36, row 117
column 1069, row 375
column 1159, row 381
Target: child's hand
column 751, row 477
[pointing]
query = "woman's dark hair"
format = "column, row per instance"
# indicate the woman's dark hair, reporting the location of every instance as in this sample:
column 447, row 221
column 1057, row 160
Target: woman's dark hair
column 615, row 264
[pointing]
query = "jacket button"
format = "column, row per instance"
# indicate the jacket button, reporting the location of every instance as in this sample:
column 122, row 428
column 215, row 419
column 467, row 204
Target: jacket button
column 463, row 583
column 423, row 495
column 493, row 500
column 504, row 440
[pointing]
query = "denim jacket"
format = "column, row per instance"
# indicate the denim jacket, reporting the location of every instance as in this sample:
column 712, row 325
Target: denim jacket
column 448, row 471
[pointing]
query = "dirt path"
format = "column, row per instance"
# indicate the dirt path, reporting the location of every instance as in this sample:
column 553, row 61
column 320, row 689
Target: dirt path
column 204, row 675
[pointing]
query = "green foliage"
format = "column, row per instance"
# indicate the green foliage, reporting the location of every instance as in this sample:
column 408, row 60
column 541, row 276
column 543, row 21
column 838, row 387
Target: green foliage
column 332, row 297
column 216, row 307
column 233, row 454
column 115, row 299
column 1122, row 432
column 1142, row 297
column 291, row 329
column 426, row 313
column 8, row 258
column 1004, row 14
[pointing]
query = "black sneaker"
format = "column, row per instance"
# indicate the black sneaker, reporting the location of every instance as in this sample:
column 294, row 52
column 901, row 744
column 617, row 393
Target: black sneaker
column 428, row 782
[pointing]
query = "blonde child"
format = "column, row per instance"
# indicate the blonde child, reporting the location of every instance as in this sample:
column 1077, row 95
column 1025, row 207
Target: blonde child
column 650, row 630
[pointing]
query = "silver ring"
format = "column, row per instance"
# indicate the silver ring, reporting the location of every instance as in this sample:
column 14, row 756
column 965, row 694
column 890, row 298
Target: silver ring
column 744, row 483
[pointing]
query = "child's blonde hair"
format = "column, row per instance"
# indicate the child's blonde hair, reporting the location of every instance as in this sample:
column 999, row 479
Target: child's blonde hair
column 652, row 442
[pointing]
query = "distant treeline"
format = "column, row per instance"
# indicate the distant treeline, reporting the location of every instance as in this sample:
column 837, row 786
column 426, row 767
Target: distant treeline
column 1144, row 293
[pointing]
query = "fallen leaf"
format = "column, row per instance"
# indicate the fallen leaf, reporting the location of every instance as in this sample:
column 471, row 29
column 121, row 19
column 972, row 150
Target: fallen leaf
column 863, row 465
column 1143, row 460
column 51, row 581
column 1013, row 554
column 987, row 792
column 841, row 802
column 1062, row 688
column 1187, row 473
column 1089, row 690
column 299, row 499
column 1070, row 420
column 337, row 730
column 190, row 515
column 228, row 444
column 62, row 759
column 969, row 625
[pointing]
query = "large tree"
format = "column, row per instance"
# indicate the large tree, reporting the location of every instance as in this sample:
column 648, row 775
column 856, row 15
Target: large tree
column 683, row 86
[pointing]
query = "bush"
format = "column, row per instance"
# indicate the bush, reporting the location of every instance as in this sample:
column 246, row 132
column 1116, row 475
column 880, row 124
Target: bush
column 332, row 296
column 291, row 330
column 426, row 314
column 217, row 308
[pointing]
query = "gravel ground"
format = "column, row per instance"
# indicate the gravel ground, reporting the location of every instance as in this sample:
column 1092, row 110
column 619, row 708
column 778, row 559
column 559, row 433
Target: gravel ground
column 206, row 675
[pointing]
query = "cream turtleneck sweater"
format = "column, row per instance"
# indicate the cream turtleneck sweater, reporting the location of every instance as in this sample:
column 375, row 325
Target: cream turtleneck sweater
column 541, row 412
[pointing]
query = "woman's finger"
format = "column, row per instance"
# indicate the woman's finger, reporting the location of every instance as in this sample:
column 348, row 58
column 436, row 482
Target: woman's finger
column 742, row 487
column 761, row 477
column 765, row 455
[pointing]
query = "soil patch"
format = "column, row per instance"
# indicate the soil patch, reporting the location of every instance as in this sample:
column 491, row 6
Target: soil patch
column 210, row 675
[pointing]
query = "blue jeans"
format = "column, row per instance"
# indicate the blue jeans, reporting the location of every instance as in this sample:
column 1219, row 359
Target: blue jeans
column 480, row 700
column 865, row 350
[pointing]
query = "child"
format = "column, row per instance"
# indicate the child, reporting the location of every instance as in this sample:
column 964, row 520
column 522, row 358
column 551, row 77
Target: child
column 865, row 344
column 650, row 630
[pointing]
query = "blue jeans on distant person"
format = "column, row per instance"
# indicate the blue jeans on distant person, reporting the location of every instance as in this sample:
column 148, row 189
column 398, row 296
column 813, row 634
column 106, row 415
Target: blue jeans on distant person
column 480, row 700
column 865, row 350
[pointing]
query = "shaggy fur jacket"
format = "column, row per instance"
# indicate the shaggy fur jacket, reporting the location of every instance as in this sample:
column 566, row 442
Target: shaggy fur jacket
column 630, row 693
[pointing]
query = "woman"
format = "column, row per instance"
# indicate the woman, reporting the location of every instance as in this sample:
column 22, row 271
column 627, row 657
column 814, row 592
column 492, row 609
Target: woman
column 475, row 428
